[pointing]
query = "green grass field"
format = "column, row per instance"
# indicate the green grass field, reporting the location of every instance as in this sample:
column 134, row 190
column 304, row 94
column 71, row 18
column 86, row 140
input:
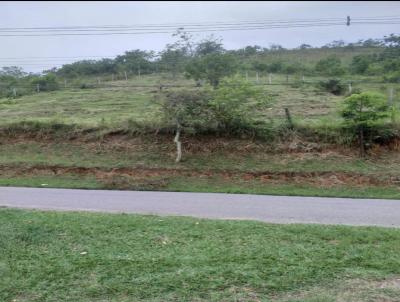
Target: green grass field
column 48, row 256
column 120, row 101
column 221, row 163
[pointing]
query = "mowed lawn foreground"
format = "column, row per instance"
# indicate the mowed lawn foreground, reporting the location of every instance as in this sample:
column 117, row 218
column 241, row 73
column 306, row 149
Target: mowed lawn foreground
column 53, row 256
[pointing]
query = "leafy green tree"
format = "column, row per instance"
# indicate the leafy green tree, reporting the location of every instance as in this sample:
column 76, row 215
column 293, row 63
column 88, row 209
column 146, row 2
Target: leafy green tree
column 135, row 61
column 235, row 105
column 187, row 110
column 331, row 65
column 12, row 71
column 275, row 67
column 360, row 64
column 361, row 112
column 209, row 46
column 46, row 83
column 212, row 68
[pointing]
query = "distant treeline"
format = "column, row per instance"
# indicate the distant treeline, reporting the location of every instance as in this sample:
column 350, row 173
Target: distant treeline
column 381, row 59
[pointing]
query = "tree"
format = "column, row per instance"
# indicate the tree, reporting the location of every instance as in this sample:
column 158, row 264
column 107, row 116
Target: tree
column 46, row 83
column 174, row 57
column 335, row 44
column 305, row 46
column 275, row 67
column 185, row 42
column 212, row 68
column 361, row 112
column 331, row 65
column 137, row 61
column 360, row 63
column 235, row 103
column 275, row 47
column 187, row 110
column 13, row 71
column 209, row 46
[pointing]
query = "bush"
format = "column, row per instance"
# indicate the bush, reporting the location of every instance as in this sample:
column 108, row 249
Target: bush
column 46, row 83
column 362, row 113
column 331, row 66
column 234, row 105
column 333, row 86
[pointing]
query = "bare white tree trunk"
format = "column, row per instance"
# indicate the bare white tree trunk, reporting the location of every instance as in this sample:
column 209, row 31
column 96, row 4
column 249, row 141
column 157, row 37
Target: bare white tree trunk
column 178, row 143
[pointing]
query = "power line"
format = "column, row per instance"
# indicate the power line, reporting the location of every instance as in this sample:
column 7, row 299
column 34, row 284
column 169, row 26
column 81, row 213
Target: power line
column 127, row 30
column 219, row 23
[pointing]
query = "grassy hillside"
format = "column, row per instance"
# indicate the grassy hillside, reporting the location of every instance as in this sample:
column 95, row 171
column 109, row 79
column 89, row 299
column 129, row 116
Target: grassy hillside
column 113, row 103
column 106, row 137
column 310, row 57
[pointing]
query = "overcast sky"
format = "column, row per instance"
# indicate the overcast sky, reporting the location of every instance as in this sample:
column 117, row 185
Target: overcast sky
column 47, row 14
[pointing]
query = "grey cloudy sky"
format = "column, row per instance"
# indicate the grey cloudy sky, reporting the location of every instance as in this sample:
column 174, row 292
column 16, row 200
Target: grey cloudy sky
column 50, row 14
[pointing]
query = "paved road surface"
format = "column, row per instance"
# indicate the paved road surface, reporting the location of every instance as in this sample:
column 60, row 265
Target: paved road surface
column 275, row 209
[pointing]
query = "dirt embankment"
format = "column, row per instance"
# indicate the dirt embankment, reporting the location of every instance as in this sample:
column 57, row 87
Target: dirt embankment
column 158, row 177
column 146, row 177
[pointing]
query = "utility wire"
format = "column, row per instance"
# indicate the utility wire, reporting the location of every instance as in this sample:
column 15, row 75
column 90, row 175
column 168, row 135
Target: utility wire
column 219, row 23
column 198, row 29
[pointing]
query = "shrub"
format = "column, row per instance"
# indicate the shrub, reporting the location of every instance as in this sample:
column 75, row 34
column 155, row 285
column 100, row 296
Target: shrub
column 362, row 112
column 331, row 65
column 46, row 83
column 333, row 86
column 235, row 103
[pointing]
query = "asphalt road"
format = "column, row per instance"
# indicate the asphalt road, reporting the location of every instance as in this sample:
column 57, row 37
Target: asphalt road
column 274, row 209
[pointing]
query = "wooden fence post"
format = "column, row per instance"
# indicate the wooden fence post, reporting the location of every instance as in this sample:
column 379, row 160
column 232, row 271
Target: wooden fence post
column 391, row 93
column 289, row 118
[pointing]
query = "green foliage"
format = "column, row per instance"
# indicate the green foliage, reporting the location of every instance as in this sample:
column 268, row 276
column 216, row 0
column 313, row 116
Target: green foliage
column 333, row 86
column 360, row 64
column 364, row 109
column 208, row 46
column 331, row 66
column 275, row 67
column 46, row 83
column 361, row 114
column 186, row 108
column 235, row 103
column 392, row 77
column 12, row 71
column 212, row 68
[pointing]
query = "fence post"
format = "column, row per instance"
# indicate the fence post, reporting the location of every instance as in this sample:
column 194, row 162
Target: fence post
column 126, row 76
column 302, row 78
column 289, row 118
column 391, row 93
column 65, row 83
column 350, row 88
column 270, row 79
column 98, row 81
column 14, row 92
column 38, row 88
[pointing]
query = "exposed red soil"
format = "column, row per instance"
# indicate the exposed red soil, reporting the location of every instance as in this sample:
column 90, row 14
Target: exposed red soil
column 322, row 179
